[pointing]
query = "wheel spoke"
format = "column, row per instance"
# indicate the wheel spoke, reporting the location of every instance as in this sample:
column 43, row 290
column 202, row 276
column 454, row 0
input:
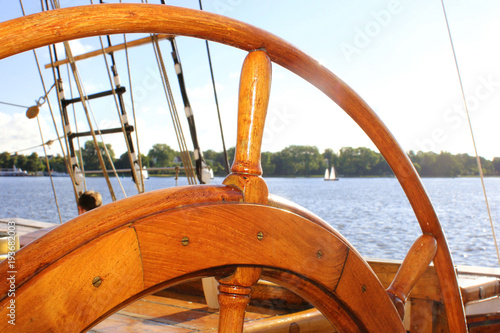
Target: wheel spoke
column 413, row 267
column 234, row 296
column 255, row 86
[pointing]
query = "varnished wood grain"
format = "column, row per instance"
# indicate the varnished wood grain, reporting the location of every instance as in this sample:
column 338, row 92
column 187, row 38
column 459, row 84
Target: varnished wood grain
column 255, row 86
column 73, row 234
column 426, row 288
column 421, row 316
column 357, row 288
column 109, row 49
column 234, row 297
column 63, row 295
column 218, row 235
column 309, row 321
column 413, row 267
column 229, row 233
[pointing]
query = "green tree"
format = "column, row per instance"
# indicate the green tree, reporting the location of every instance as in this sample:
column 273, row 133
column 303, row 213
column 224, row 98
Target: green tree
column 57, row 163
column 145, row 161
column 215, row 160
column 496, row 165
column 5, row 160
column 161, row 155
column 488, row 167
column 331, row 157
column 90, row 157
column 299, row 161
column 122, row 162
column 468, row 164
column 268, row 166
column 382, row 168
column 446, row 165
column 34, row 164
column 19, row 161
column 357, row 161
column 427, row 162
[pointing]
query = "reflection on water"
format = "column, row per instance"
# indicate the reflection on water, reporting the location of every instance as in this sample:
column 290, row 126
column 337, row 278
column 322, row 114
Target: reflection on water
column 372, row 213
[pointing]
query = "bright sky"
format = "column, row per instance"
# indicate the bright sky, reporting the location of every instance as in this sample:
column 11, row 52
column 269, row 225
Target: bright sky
column 395, row 54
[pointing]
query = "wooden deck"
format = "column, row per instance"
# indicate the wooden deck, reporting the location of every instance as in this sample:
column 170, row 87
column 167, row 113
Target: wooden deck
column 24, row 226
column 173, row 313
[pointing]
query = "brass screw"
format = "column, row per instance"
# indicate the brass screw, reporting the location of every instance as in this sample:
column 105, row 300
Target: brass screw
column 260, row 235
column 185, row 241
column 96, row 282
column 319, row 254
column 363, row 288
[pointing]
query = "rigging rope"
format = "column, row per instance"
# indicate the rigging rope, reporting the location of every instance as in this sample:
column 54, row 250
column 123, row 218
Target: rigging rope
column 49, row 171
column 46, row 98
column 80, row 156
column 48, row 143
column 198, row 154
column 68, row 159
column 186, row 158
column 83, row 97
column 117, row 107
column 87, row 114
column 478, row 160
column 59, row 98
column 11, row 104
column 122, row 116
column 139, row 158
column 226, row 165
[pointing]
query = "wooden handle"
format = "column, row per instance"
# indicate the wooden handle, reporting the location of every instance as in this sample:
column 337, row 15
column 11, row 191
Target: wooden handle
column 414, row 265
column 234, row 297
column 255, row 86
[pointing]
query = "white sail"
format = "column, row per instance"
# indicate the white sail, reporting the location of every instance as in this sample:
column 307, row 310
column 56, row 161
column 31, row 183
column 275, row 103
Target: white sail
column 145, row 173
column 332, row 173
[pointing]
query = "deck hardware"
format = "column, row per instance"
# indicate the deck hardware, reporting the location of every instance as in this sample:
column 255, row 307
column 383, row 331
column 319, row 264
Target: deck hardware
column 96, row 282
column 260, row 235
column 185, row 241
column 482, row 292
column 319, row 254
column 363, row 288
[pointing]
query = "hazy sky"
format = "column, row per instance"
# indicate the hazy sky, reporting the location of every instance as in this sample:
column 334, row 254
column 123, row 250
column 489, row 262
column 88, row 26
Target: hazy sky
column 395, row 54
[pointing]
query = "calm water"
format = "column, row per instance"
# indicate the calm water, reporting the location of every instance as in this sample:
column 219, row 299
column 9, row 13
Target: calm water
column 372, row 213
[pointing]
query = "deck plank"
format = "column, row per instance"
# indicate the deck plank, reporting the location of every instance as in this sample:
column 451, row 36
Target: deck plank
column 156, row 313
column 120, row 323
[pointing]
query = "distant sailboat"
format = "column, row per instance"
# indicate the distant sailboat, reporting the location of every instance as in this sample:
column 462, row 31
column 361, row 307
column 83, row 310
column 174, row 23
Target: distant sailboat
column 145, row 173
column 330, row 175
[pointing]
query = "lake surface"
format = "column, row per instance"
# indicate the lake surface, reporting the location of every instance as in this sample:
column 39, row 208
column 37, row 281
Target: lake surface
column 372, row 213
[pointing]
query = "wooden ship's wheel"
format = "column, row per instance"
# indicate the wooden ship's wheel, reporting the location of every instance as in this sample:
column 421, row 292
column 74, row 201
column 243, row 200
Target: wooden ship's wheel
column 95, row 264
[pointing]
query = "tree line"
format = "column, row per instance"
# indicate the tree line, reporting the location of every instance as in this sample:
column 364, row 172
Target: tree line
column 294, row 161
